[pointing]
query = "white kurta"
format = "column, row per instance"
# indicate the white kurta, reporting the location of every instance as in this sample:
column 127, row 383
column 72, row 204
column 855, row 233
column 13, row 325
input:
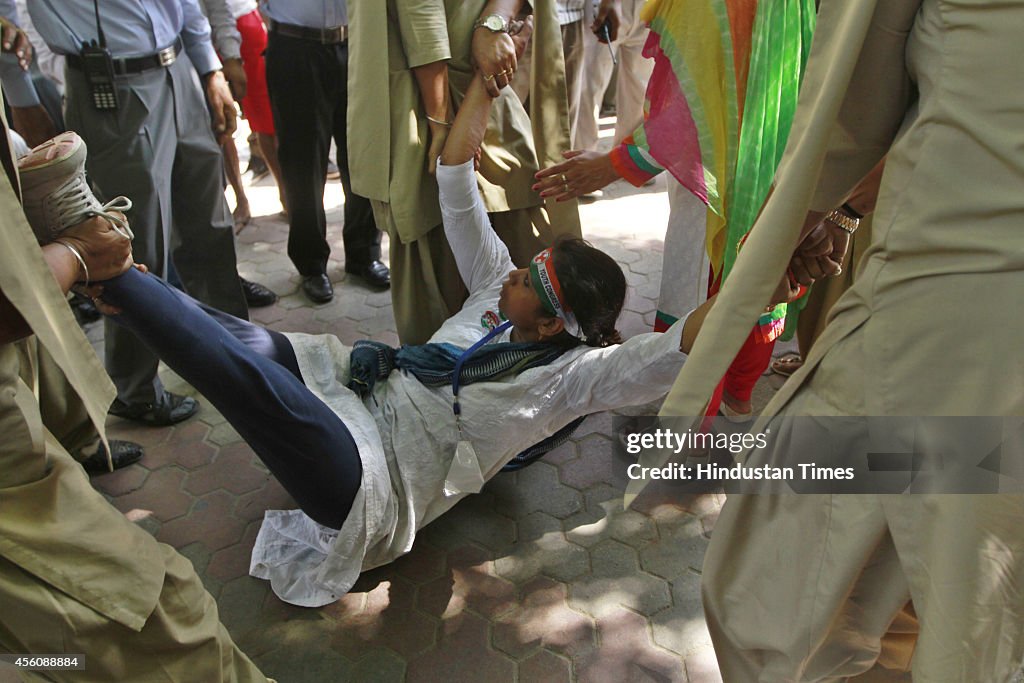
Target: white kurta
column 406, row 432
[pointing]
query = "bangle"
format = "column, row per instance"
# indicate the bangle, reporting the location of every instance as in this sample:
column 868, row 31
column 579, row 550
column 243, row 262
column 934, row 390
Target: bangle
column 842, row 221
column 850, row 211
column 439, row 121
column 81, row 261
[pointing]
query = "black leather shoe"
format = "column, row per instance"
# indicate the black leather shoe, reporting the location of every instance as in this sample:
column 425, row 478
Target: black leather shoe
column 318, row 288
column 256, row 295
column 122, row 454
column 168, row 409
column 375, row 273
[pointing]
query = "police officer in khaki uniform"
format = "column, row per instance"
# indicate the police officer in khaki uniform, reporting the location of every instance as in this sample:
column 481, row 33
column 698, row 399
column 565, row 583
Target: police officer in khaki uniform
column 815, row 587
column 388, row 41
column 80, row 577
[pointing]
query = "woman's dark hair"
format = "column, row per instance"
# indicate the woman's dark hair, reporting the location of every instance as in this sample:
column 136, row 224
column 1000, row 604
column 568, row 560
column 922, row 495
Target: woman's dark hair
column 594, row 288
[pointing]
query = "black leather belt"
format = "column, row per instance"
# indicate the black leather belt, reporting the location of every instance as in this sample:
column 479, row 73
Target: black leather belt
column 325, row 36
column 135, row 65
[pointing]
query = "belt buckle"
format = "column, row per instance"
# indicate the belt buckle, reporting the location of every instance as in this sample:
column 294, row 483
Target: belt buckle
column 166, row 56
column 332, row 35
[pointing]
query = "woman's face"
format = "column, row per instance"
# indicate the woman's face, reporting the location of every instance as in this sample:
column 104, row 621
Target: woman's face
column 520, row 304
column 519, row 301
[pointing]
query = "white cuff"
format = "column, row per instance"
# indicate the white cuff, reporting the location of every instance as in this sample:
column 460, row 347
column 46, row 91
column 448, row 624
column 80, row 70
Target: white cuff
column 458, row 187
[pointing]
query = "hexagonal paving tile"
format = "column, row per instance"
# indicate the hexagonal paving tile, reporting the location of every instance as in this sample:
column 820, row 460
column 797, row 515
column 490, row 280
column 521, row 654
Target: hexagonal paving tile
column 543, row 619
column 626, row 653
column 680, row 547
column 470, row 582
column 462, row 655
column 616, row 581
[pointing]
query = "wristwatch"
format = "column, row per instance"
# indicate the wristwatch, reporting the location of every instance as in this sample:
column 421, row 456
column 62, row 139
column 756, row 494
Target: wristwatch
column 842, row 221
column 495, row 23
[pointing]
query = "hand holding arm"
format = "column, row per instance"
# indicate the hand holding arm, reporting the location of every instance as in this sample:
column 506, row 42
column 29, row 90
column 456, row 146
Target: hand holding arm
column 824, row 245
column 467, row 132
column 104, row 253
column 495, row 53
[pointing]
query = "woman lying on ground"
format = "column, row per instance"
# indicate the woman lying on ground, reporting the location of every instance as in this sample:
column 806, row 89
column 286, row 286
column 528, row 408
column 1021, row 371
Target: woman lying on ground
column 369, row 454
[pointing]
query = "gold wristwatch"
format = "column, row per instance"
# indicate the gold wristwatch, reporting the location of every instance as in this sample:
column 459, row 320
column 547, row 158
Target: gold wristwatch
column 844, row 222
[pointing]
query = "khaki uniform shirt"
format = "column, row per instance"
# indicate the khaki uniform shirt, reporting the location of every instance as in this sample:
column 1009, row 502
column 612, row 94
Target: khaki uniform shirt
column 387, row 127
column 46, row 501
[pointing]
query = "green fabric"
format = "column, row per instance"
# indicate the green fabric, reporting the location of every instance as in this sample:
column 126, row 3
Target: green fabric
column 781, row 43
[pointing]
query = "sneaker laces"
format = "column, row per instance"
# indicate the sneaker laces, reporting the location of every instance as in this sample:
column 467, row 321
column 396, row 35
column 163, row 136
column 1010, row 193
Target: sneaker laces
column 74, row 202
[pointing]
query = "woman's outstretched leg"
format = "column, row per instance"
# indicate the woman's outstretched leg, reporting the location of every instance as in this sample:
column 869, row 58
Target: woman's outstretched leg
column 303, row 443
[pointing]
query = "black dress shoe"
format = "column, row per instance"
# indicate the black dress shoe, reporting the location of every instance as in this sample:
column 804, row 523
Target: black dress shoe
column 375, row 273
column 122, row 454
column 168, row 409
column 318, row 288
column 256, row 295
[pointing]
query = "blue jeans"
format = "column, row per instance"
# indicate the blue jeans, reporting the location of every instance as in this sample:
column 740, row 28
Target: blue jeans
column 251, row 376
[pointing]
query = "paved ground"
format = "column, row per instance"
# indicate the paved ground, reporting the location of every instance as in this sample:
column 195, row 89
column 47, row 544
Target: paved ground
column 541, row 577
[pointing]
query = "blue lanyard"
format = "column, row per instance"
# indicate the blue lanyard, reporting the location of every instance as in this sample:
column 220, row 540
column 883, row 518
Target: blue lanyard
column 456, row 407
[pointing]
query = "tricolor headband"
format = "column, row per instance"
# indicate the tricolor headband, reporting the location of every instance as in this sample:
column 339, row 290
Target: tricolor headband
column 545, row 282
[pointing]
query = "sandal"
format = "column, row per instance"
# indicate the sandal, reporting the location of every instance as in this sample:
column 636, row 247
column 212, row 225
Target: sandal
column 787, row 364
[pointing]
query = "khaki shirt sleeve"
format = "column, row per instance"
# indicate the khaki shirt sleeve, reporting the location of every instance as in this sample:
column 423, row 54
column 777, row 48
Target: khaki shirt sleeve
column 876, row 101
column 424, row 31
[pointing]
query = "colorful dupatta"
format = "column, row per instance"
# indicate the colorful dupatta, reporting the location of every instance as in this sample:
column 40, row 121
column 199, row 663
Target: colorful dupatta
column 718, row 111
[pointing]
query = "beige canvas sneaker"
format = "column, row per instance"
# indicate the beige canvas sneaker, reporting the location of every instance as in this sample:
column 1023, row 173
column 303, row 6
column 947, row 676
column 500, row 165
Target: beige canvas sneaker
column 55, row 192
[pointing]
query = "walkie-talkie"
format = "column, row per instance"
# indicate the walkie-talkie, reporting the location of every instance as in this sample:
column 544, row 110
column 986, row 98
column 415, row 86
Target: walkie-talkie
column 98, row 65
column 99, row 72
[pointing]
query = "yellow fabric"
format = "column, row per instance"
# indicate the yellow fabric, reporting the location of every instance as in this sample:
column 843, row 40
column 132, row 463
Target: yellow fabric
column 946, row 231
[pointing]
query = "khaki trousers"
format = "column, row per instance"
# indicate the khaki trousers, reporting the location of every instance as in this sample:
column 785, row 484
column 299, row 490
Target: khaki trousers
column 183, row 639
column 63, row 412
column 816, row 587
column 634, row 71
column 62, row 528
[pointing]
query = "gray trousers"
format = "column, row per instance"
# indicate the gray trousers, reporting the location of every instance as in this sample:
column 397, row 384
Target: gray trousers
column 158, row 150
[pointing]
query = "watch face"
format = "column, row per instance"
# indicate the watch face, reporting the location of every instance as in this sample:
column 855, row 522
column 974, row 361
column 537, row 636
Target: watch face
column 494, row 23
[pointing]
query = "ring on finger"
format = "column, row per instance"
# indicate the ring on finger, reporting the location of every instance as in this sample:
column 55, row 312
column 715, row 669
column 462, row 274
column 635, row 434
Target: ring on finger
column 838, row 272
column 489, row 77
column 562, row 177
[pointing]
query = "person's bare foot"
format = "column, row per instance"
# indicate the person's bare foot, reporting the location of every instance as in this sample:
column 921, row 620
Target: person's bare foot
column 241, row 216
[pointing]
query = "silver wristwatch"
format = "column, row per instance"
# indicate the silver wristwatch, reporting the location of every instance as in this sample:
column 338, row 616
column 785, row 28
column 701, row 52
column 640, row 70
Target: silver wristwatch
column 495, row 23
